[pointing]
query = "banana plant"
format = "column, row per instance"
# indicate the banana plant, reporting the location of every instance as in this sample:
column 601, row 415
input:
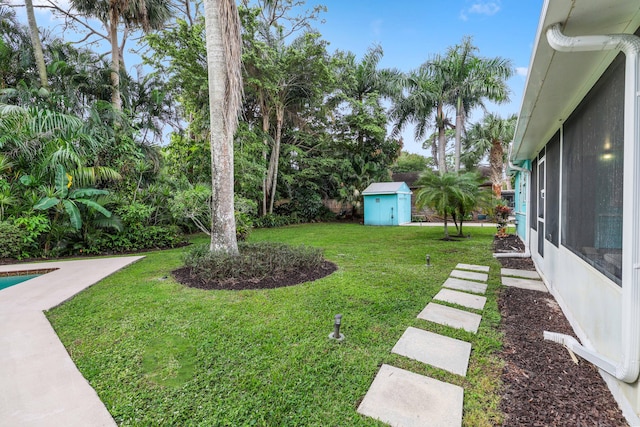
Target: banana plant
column 67, row 200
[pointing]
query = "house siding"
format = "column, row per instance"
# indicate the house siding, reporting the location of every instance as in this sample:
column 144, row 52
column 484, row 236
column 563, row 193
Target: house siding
column 588, row 291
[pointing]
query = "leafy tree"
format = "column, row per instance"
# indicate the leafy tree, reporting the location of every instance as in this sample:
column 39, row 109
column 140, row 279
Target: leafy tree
column 409, row 162
column 491, row 136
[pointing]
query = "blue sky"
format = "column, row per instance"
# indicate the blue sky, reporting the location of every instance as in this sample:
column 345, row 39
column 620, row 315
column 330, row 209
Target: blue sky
column 412, row 31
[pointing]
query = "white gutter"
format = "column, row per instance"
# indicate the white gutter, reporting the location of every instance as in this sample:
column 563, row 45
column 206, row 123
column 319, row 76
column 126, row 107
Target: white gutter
column 628, row 367
column 527, row 172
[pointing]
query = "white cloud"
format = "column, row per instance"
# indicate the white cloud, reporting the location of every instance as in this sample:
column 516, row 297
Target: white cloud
column 482, row 7
column 522, row 71
column 376, row 27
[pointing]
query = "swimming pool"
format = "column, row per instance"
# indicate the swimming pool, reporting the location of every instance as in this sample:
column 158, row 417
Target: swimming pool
column 5, row 282
column 13, row 278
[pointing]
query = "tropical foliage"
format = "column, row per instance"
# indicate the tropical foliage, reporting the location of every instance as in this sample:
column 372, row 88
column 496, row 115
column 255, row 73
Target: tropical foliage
column 95, row 156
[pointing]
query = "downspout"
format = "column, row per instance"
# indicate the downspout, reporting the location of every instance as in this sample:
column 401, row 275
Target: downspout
column 628, row 367
column 527, row 173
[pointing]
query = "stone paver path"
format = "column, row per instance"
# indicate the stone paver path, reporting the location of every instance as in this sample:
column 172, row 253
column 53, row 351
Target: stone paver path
column 450, row 316
column 472, row 267
column 465, row 285
column 464, row 299
column 529, row 284
column 520, row 273
column 436, row 350
column 470, row 275
column 404, row 399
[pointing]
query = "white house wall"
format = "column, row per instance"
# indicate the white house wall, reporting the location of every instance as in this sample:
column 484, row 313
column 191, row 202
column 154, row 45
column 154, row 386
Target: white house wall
column 576, row 285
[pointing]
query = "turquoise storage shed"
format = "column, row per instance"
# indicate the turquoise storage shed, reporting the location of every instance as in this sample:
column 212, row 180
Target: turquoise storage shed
column 387, row 203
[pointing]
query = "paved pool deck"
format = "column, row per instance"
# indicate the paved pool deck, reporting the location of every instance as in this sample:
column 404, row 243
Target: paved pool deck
column 39, row 383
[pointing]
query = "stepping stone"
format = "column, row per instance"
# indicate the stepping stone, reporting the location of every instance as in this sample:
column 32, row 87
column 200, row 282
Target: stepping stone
column 532, row 285
column 473, row 267
column 527, row 274
column 470, row 275
column 465, row 285
column 461, row 298
column 405, row 399
column 436, row 350
column 450, row 316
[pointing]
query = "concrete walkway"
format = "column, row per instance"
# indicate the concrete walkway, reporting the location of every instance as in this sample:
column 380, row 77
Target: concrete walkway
column 405, row 399
column 39, row 383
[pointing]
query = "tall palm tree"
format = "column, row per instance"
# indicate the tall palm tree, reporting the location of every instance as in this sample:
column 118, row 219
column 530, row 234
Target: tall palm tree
column 443, row 192
column 492, row 136
column 145, row 14
column 225, row 95
column 473, row 78
column 37, row 46
column 425, row 102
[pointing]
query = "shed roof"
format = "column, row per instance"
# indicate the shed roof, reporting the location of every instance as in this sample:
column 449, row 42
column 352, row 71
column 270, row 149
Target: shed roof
column 556, row 81
column 386, row 188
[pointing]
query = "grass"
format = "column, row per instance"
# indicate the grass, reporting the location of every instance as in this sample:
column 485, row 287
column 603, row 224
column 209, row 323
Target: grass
column 159, row 353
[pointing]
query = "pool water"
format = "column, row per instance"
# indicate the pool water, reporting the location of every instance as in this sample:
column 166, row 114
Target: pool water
column 5, row 282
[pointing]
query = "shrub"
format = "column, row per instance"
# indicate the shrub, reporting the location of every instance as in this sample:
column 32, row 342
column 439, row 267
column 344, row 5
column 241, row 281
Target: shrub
column 136, row 239
column 12, row 238
column 256, row 261
column 244, row 224
column 34, row 227
column 273, row 220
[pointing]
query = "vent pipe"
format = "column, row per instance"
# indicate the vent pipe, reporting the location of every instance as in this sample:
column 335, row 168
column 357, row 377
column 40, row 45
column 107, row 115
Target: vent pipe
column 628, row 367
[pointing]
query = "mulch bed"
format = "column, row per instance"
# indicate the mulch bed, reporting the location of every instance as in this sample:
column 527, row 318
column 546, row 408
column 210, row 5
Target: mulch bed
column 542, row 386
column 185, row 276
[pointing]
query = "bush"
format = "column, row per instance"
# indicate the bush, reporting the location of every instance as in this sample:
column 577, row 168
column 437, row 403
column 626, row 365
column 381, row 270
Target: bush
column 256, row 261
column 244, row 224
column 12, row 238
column 136, row 239
column 274, row 220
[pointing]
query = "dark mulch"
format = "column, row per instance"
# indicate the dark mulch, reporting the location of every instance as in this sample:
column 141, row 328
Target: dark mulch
column 512, row 243
column 542, row 386
column 185, row 276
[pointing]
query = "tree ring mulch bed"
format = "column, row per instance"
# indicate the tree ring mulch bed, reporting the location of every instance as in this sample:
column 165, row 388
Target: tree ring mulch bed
column 541, row 385
column 185, row 276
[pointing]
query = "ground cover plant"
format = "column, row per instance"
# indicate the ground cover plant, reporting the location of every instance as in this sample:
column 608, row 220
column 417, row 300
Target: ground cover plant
column 160, row 353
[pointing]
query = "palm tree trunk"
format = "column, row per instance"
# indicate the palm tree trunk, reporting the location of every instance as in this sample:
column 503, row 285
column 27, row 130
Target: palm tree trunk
column 265, row 131
column 115, row 60
column 495, row 160
column 223, row 103
column 37, row 46
column 442, row 141
column 459, row 127
column 275, row 154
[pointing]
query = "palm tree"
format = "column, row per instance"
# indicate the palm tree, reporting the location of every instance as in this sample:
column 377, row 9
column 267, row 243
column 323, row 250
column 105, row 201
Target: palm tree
column 473, row 78
column 425, row 101
column 443, row 192
column 37, row 46
column 492, row 136
column 145, row 14
column 470, row 184
column 225, row 94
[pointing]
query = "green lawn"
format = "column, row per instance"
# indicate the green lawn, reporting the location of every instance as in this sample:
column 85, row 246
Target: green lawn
column 158, row 353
